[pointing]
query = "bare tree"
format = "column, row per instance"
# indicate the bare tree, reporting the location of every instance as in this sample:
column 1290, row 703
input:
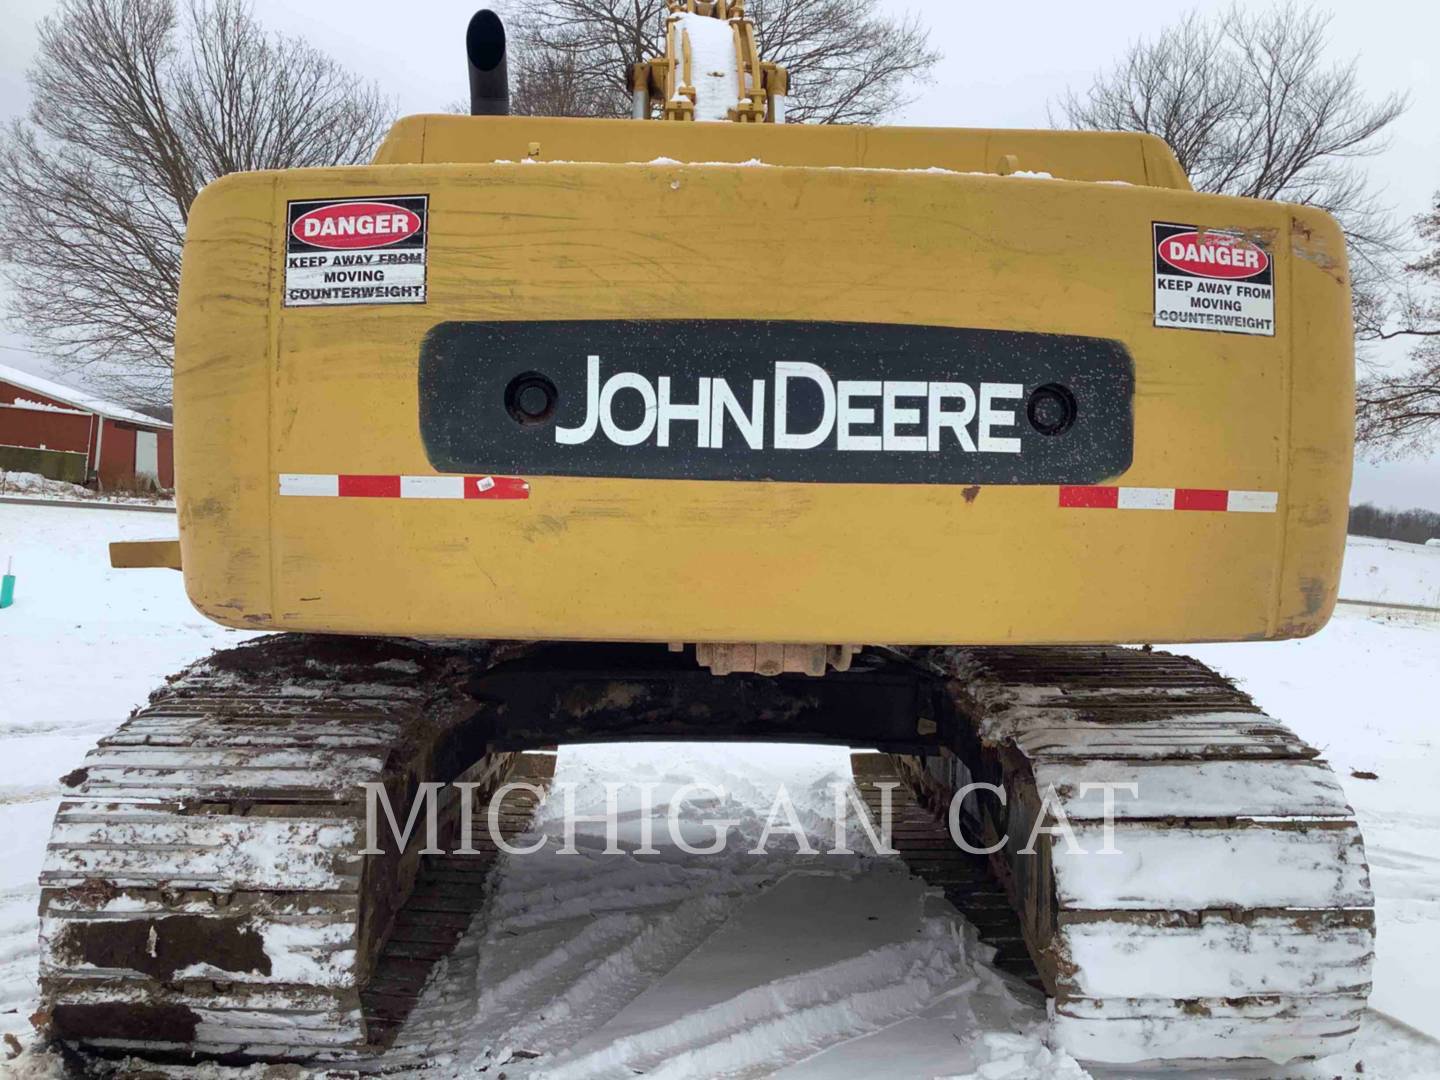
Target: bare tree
column 1398, row 411
column 553, row 81
column 849, row 63
column 136, row 106
column 1251, row 107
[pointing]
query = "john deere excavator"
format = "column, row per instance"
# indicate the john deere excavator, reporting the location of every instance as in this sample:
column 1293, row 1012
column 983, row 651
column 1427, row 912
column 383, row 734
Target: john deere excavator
column 555, row 430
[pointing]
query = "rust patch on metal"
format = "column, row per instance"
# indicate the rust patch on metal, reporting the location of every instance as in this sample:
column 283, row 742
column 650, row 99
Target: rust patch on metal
column 544, row 526
column 332, row 658
column 161, row 947
column 1302, row 246
column 1291, row 629
column 93, row 893
column 1316, row 592
column 587, row 698
column 201, row 509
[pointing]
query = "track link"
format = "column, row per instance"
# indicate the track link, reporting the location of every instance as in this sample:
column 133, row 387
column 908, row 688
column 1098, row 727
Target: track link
column 923, row 841
column 205, row 890
column 1234, row 920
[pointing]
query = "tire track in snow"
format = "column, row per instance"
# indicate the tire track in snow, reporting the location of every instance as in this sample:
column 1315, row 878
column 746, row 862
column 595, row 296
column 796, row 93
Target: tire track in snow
column 782, row 1022
column 567, row 944
column 637, row 898
column 503, row 1005
column 614, row 875
column 568, row 980
column 606, row 987
column 467, row 996
column 12, row 796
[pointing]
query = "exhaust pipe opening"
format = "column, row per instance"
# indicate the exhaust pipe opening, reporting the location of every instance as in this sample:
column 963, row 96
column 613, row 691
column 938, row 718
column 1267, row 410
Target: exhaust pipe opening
column 485, row 48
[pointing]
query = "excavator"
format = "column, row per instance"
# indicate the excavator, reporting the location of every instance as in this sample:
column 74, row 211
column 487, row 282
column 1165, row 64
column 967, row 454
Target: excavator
column 704, row 425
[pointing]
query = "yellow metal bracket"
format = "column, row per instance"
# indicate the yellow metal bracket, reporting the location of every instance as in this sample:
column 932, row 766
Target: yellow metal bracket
column 145, row 555
column 670, row 80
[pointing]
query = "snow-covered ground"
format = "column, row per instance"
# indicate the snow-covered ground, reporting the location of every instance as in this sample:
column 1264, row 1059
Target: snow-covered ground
column 1389, row 572
column 814, row 968
column 680, row 965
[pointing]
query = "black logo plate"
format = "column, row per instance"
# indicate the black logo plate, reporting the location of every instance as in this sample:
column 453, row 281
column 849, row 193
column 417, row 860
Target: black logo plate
column 801, row 402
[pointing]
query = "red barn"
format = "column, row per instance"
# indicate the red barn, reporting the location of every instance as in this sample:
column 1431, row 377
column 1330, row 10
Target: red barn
column 121, row 446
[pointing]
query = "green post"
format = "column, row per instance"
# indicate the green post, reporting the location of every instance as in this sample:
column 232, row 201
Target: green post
column 7, row 585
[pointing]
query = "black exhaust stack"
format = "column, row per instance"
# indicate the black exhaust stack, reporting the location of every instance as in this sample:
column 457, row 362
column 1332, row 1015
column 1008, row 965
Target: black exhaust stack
column 489, row 70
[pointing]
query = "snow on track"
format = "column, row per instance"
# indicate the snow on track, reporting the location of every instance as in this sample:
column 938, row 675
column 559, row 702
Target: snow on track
column 1363, row 691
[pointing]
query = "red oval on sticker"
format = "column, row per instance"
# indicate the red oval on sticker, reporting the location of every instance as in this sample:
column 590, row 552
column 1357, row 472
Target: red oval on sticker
column 1218, row 255
column 356, row 225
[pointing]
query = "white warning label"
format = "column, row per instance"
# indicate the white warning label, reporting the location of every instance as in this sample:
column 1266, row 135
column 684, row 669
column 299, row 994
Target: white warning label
column 356, row 251
column 1209, row 279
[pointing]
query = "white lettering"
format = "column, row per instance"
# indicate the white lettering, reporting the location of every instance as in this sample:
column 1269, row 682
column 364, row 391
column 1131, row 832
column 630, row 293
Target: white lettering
column 610, row 819
column 846, row 797
column 894, row 416
column 957, row 834
column 584, row 433
column 959, row 423
column 377, row 795
column 497, row 803
column 723, row 402
column 783, row 806
column 1220, row 254
column 991, row 418
column 680, row 802
column 848, row 414
column 1051, row 808
column 627, row 380
column 669, row 411
column 786, row 439
column 1109, row 787
column 847, row 409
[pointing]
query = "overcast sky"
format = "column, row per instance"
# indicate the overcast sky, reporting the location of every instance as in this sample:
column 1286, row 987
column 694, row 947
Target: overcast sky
column 1004, row 63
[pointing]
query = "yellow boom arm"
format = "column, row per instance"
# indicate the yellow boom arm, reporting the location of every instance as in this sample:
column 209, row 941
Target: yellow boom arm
column 704, row 77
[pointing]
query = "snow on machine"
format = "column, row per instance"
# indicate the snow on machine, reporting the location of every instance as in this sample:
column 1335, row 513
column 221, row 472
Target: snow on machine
column 558, row 430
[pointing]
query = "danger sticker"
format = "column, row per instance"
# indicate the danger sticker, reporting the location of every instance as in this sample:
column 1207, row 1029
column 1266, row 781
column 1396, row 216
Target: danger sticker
column 356, row 251
column 1207, row 279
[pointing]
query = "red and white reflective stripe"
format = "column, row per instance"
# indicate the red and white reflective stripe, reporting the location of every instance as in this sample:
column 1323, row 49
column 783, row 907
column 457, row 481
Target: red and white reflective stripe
column 1089, row 497
column 1139, row 498
column 346, row 486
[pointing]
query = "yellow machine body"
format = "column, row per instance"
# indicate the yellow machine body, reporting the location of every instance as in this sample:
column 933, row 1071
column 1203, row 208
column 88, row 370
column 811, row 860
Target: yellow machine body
column 534, row 221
